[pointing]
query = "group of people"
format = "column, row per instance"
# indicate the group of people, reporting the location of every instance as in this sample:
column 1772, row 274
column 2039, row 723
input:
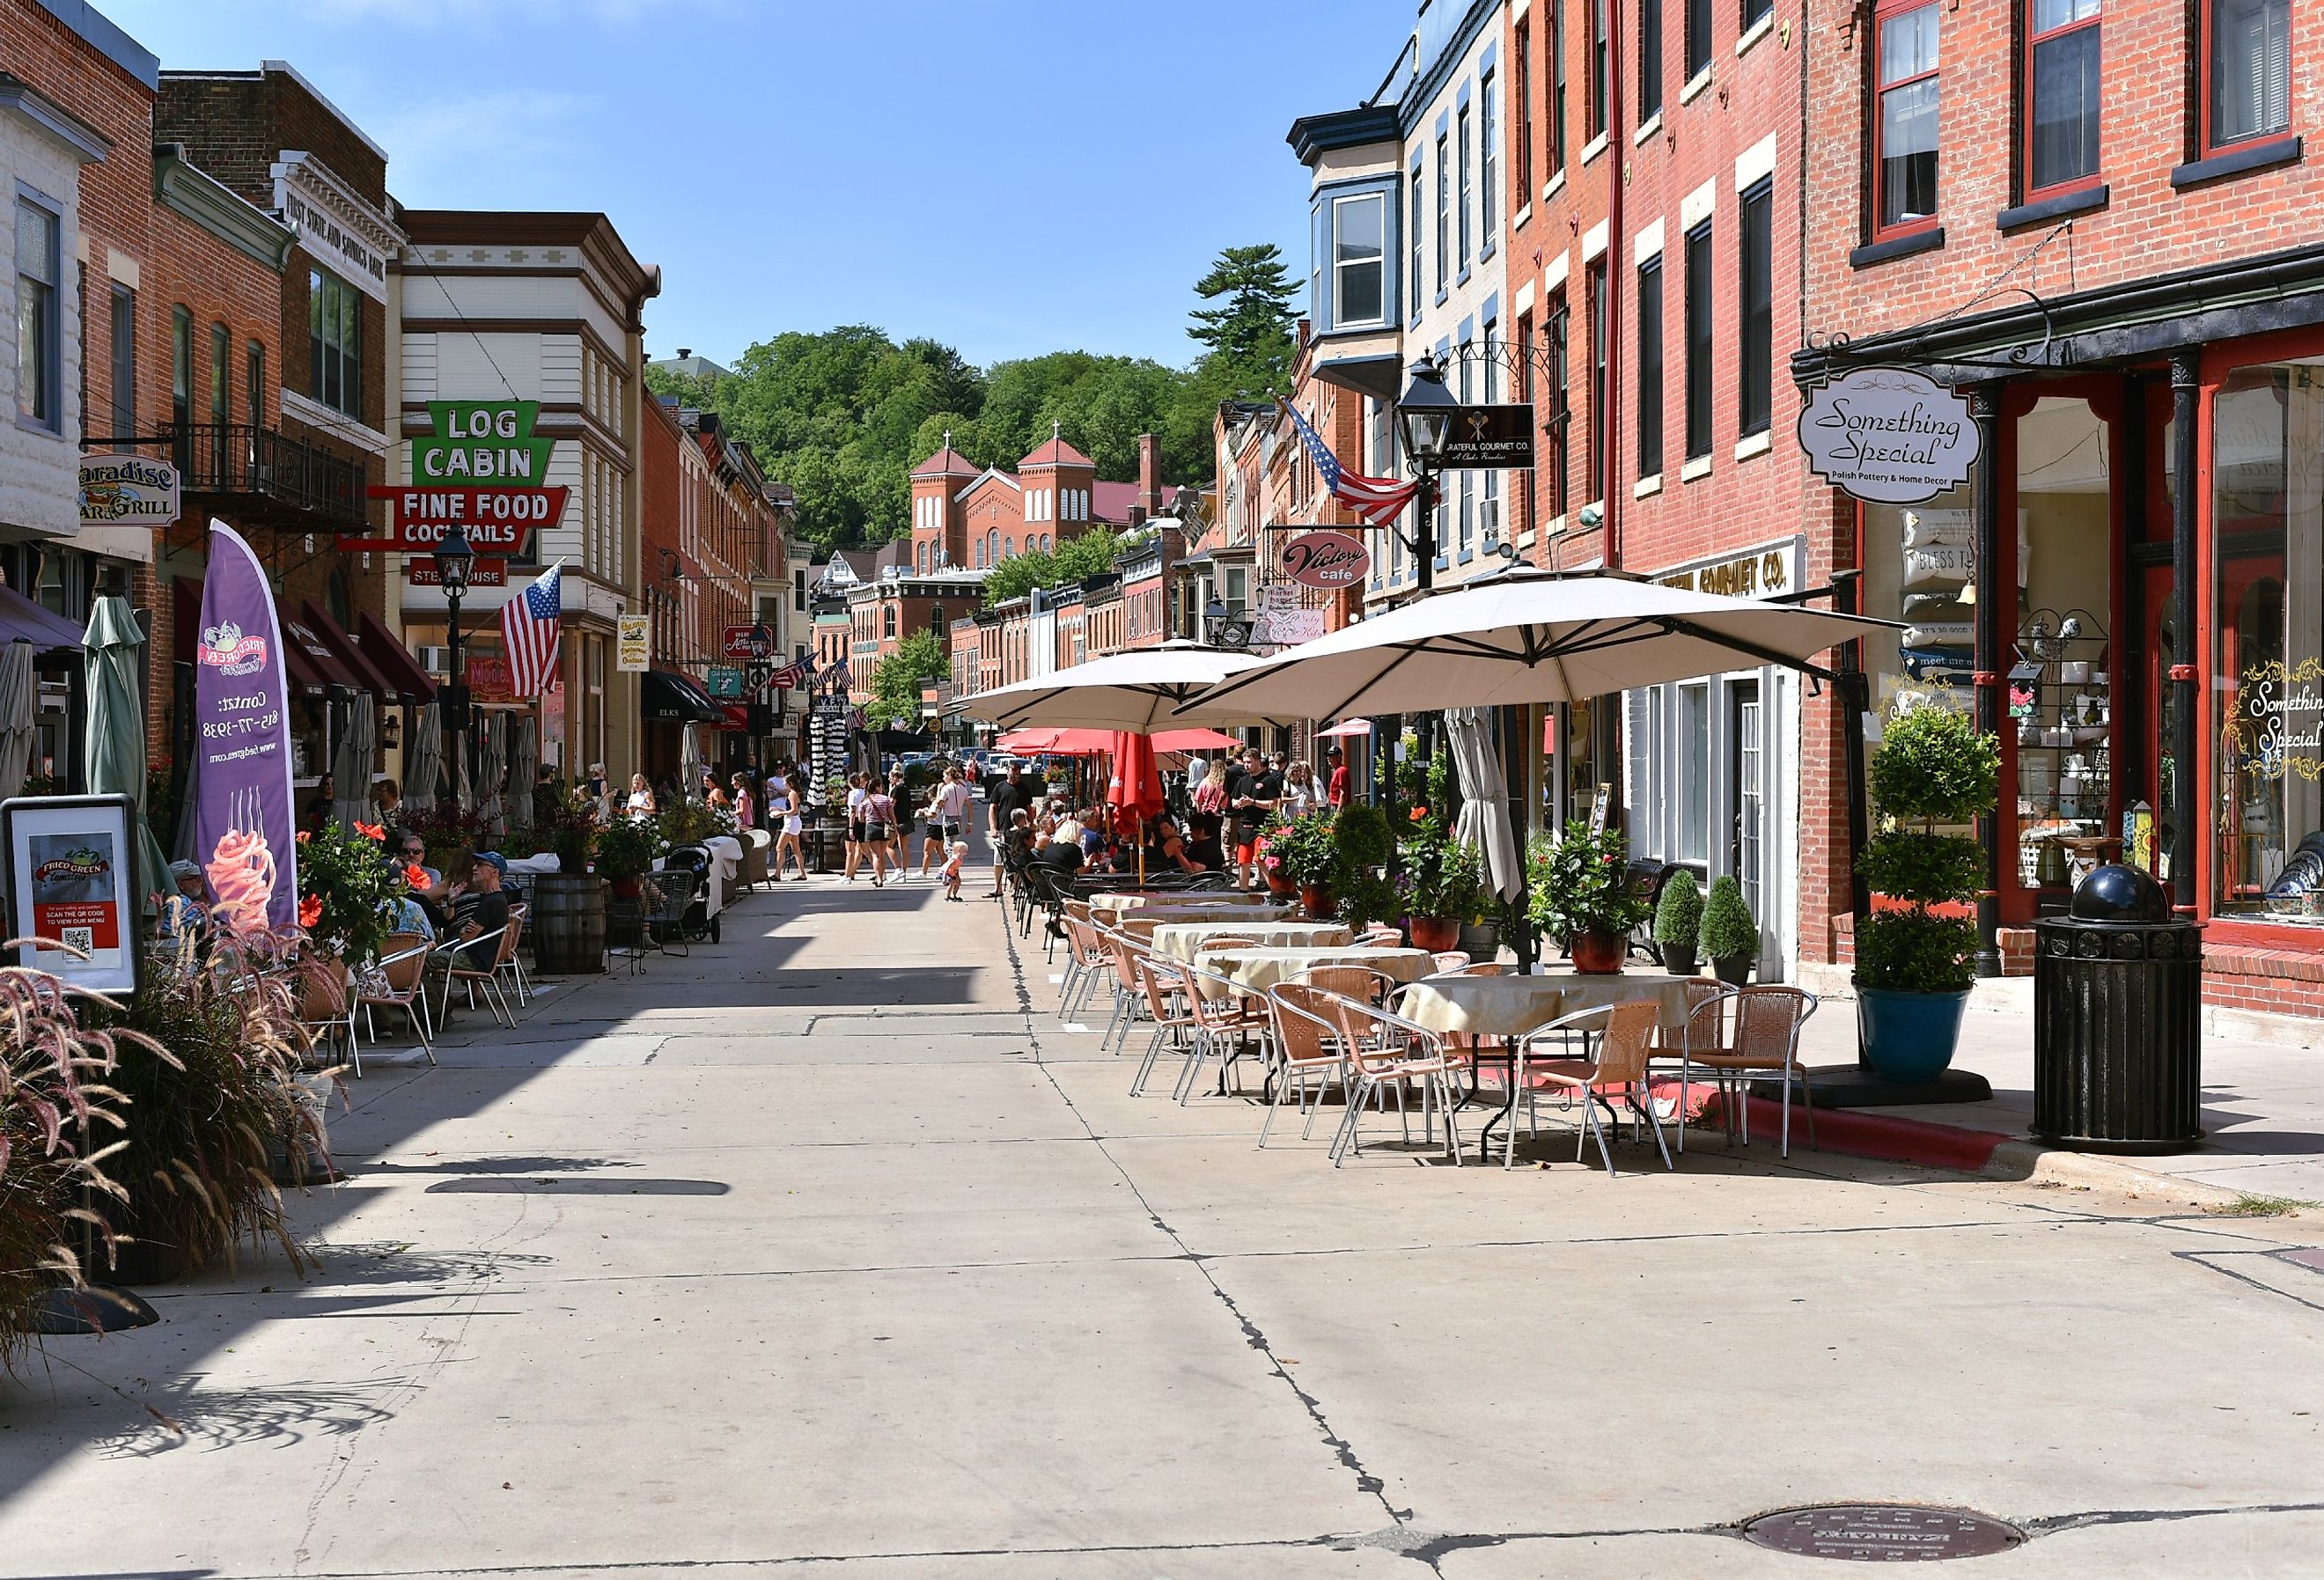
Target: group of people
column 879, row 817
column 775, row 800
column 1245, row 796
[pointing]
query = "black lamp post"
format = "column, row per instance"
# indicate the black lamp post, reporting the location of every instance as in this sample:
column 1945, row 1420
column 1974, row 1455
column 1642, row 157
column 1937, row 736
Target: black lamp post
column 1222, row 628
column 453, row 559
column 761, row 665
column 1423, row 416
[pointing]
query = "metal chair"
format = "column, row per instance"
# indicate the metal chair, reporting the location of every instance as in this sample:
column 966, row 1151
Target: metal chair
column 325, row 1013
column 456, row 958
column 1308, row 1043
column 1623, row 1034
column 403, row 969
column 1223, row 1014
column 1167, row 992
column 513, row 962
column 1386, row 1052
column 1765, row 1041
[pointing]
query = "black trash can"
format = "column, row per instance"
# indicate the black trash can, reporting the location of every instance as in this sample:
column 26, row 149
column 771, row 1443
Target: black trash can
column 2118, row 1018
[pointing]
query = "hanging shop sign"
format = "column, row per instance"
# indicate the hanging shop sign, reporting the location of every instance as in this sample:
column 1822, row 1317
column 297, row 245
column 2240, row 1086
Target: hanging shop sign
column 420, row 571
column 725, row 684
column 73, row 886
column 1488, row 439
column 1759, row 573
column 486, row 442
column 1888, row 436
column 127, row 488
column 495, row 519
column 489, row 679
column 751, row 642
column 1329, row 560
column 633, row 644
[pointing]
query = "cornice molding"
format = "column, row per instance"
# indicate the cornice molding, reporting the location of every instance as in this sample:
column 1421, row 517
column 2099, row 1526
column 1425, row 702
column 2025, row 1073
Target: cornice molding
column 181, row 185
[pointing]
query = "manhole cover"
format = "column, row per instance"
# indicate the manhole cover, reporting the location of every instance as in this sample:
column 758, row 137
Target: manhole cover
column 1882, row 1533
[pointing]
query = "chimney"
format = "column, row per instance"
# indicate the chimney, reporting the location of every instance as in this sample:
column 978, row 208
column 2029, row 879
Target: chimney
column 1149, row 473
column 684, row 352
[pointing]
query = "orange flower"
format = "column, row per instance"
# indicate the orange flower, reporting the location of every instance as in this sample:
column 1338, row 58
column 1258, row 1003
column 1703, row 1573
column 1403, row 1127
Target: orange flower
column 311, row 910
column 415, row 875
column 1417, row 813
column 372, row 831
column 302, row 837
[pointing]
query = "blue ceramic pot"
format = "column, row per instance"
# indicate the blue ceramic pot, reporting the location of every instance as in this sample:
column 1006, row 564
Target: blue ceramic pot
column 1909, row 1037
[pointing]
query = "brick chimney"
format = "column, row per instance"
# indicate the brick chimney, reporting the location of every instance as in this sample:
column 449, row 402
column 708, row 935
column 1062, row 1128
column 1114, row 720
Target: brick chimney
column 1149, row 473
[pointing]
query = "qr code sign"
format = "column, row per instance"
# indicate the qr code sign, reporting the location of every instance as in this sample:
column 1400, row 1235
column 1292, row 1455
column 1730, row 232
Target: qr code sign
column 79, row 937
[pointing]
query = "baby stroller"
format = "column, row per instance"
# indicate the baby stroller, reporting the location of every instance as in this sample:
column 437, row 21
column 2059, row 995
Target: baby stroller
column 686, row 919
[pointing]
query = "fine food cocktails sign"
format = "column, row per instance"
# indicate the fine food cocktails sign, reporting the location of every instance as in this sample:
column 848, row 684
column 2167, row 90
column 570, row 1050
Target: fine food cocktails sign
column 1888, row 435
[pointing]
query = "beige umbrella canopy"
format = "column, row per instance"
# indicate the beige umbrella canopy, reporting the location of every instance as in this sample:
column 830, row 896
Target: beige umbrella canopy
column 1529, row 637
column 1141, row 691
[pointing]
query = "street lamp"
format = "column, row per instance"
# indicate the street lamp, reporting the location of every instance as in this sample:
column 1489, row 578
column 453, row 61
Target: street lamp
column 1221, row 628
column 1423, row 417
column 763, row 651
column 453, row 559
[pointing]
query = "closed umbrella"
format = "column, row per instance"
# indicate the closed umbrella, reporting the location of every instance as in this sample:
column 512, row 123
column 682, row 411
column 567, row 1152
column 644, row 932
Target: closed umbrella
column 492, row 774
column 423, row 766
column 1484, row 822
column 351, row 764
column 17, row 704
column 115, row 761
column 1135, row 790
column 694, row 765
column 525, row 766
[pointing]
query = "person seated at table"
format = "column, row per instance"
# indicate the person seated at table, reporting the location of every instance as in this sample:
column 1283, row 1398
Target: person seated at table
column 1063, row 853
column 316, row 815
column 185, row 909
column 1204, row 845
column 1165, row 848
column 482, row 909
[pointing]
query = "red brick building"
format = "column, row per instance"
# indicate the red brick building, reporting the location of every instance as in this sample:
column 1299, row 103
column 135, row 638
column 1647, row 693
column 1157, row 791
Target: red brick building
column 2103, row 234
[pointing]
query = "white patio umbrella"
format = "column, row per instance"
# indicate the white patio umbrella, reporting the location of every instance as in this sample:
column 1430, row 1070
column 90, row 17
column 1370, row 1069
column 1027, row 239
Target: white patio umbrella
column 1484, row 822
column 16, row 706
column 1142, row 691
column 693, row 763
column 1523, row 637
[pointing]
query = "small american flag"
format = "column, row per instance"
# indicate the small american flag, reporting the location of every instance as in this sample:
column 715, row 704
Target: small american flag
column 791, row 676
column 1378, row 500
column 529, row 633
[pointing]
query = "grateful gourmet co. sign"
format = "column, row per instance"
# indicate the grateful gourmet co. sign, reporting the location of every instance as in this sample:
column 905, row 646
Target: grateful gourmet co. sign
column 1888, row 435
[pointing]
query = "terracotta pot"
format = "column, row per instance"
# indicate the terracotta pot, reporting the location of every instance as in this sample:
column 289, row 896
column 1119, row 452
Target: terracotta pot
column 1599, row 954
column 1434, row 934
column 629, row 888
column 1276, row 883
column 1319, row 903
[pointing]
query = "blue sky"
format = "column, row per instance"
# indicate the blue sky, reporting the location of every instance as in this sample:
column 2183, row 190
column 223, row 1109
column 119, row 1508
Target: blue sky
column 1009, row 176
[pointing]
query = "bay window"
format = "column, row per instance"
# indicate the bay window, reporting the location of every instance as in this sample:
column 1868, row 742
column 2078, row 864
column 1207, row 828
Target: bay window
column 2247, row 69
column 1359, row 260
column 2061, row 94
column 1905, row 118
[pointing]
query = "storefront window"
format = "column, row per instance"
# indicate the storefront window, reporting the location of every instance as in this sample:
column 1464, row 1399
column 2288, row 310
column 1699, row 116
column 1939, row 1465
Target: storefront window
column 1919, row 568
column 2060, row 681
column 2267, row 436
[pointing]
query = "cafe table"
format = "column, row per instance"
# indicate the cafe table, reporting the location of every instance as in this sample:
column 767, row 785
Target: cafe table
column 1254, row 971
column 1182, row 941
column 1120, row 901
column 1507, row 1007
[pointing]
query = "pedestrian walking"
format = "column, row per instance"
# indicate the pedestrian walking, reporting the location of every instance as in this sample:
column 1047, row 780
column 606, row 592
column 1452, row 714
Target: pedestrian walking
column 879, row 828
column 1210, row 794
column 641, row 802
column 1257, row 793
column 1335, row 790
column 1002, row 803
column 857, row 794
column 1300, row 795
column 947, row 817
column 783, row 816
column 955, row 858
column 746, row 807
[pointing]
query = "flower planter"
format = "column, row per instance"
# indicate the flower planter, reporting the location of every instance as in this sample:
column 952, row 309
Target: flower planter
column 1598, row 953
column 567, row 924
column 1481, row 940
column 1909, row 1037
column 1318, row 902
column 1434, row 934
column 1276, row 883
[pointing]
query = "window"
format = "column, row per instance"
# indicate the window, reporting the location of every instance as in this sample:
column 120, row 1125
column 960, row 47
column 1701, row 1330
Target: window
column 1596, row 306
column 938, row 626
column 1599, row 58
column 1755, row 12
column 1650, row 366
column 1444, row 212
column 1009, row 547
column 1419, row 229
column 1557, row 86
column 1755, row 370
column 1525, row 375
column 124, row 361
column 1555, row 334
column 1488, row 155
column 1698, row 38
column 221, row 375
column 2061, row 94
column 888, row 620
column 335, row 328
column 1904, row 120
column 1698, row 342
column 1490, row 516
column 1358, row 233
column 1468, row 187
column 1523, row 60
column 1694, row 773
column 1650, row 59
column 2247, row 76
column 254, row 366
column 40, row 327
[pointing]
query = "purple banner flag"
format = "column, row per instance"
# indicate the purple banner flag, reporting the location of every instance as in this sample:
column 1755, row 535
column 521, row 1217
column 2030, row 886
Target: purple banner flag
column 242, row 816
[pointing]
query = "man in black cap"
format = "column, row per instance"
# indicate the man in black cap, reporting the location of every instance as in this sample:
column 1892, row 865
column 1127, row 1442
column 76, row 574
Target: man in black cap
column 1010, row 795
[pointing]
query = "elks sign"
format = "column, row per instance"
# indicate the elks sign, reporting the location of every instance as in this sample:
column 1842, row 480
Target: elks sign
column 1888, row 436
column 1329, row 560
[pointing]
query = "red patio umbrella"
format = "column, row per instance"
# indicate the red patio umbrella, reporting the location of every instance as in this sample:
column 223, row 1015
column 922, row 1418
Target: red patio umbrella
column 1134, row 790
column 1193, row 741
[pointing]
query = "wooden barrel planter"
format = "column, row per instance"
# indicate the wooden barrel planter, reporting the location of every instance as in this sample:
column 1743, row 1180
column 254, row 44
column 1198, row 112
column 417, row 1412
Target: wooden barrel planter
column 566, row 923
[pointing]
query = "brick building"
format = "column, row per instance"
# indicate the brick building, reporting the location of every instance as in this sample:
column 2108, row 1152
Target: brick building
column 2119, row 266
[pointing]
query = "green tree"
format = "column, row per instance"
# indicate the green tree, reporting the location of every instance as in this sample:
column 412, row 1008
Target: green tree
column 1075, row 559
column 896, row 680
column 1249, row 333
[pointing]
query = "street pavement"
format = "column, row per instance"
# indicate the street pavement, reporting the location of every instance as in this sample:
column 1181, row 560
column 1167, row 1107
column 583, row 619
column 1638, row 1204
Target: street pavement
column 827, row 1251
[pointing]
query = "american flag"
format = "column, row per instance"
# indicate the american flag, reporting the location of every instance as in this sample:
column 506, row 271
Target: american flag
column 1378, row 500
column 793, row 676
column 529, row 633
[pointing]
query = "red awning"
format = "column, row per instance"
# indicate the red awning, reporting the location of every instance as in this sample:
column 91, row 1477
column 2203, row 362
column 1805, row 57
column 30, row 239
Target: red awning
column 343, row 648
column 311, row 663
column 393, row 660
column 738, row 717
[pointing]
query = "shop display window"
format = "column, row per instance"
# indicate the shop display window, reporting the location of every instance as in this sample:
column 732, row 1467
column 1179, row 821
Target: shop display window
column 1920, row 568
column 2267, row 439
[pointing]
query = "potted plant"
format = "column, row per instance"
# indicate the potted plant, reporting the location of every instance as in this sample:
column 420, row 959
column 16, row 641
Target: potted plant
column 1582, row 896
column 1678, row 921
column 1361, row 844
column 1731, row 938
column 1270, row 864
column 346, row 888
column 1913, row 970
column 1306, row 855
column 567, row 919
column 626, row 854
column 1443, row 884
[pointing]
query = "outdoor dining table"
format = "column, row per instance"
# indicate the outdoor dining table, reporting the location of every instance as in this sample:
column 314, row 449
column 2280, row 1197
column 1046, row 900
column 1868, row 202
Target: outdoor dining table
column 1182, row 941
column 1254, row 971
column 1120, row 900
column 1507, row 1007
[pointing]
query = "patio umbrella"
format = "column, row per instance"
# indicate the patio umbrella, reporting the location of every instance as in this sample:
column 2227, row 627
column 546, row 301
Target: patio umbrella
column 1349, row 726
column 492, row 774
column 694, row 763
column 1057, row 743
column 423, row 765
column 1484, row 822
column 16, row 707
column 1144, row 689
column 1539, row 636
column 1135, row 790
column 115, row 760
column 351, row 764
column 524, row 767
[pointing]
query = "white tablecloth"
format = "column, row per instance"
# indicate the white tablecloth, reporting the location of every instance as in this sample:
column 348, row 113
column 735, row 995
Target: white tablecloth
column 1142, row 900
column 1257, row 970
column 1182, row 941
column 1512, row 1006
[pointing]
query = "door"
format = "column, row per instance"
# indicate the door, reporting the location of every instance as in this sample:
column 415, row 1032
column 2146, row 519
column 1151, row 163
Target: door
column 1746, row 790
column 2155, row 846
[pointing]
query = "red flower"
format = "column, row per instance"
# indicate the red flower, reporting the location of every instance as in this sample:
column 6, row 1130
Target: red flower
column 302, row 837
column 415, row 875
column 372, row 831
column 310, row 910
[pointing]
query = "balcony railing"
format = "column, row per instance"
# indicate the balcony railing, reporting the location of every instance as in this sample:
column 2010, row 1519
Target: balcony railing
column 259, row 470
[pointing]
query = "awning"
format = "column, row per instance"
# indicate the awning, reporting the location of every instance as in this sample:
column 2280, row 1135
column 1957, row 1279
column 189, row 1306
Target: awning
column 673, row 697
column 392, row 660
column 343, row 647
column 313, row 666
column 23, row 620
column 732, row 715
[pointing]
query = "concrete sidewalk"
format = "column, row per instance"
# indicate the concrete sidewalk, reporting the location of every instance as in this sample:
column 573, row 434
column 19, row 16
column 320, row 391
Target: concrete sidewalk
column 827, row 1251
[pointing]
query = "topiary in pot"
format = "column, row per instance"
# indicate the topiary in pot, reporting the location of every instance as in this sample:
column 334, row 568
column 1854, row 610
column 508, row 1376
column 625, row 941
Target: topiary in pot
column 1912, row 969
column 1678, row 922
column 1731, row 938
